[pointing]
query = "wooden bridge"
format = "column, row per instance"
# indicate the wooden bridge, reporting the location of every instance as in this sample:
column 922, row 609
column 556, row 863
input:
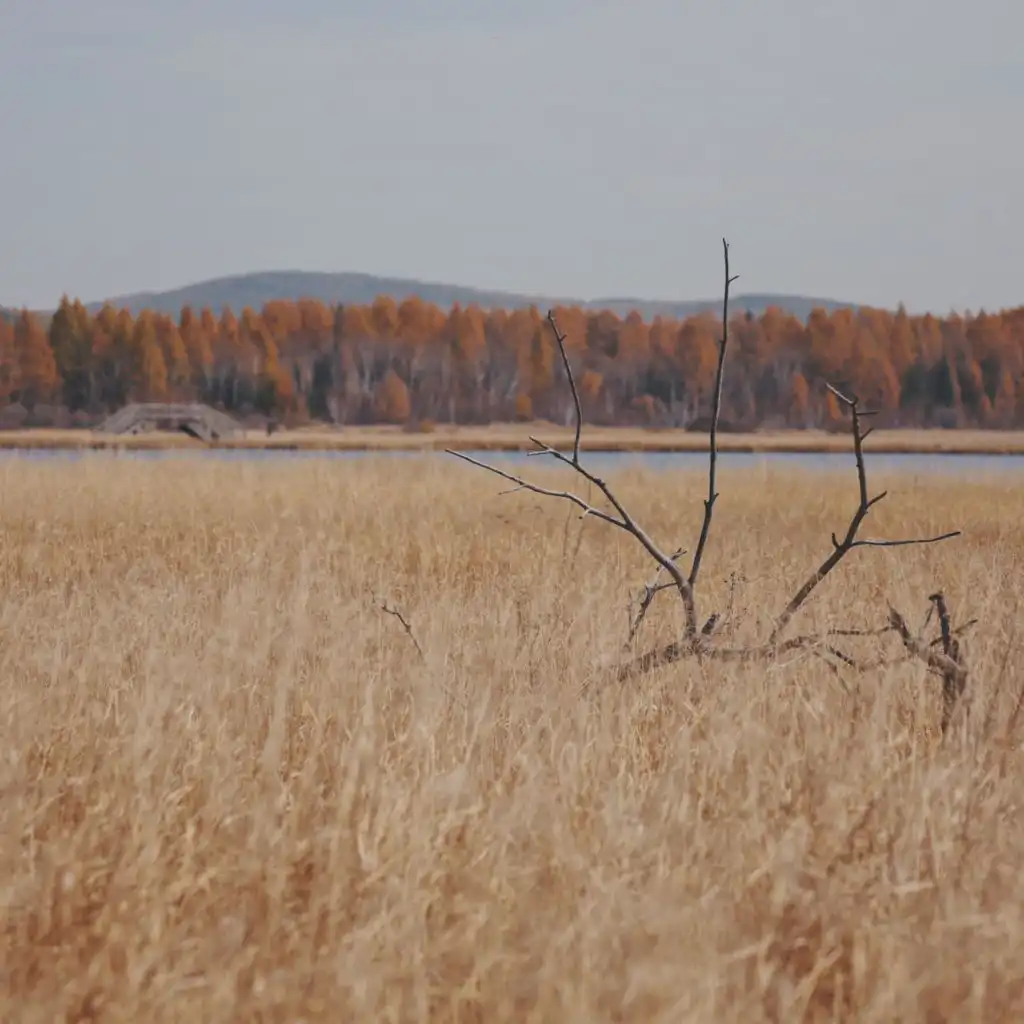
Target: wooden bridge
column 200, row 421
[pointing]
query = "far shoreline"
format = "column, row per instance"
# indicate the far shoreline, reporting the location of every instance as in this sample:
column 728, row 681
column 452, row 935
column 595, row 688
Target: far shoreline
column 508, row 437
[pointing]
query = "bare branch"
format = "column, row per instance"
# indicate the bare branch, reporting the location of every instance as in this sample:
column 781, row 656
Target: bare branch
column 817, row 645
column 390, row 609
column 959, row 631
column 938, row 602
column 673, row 652
column 624, row 522
column 860, row 632
column 716, row 408
column 904, row 543
column 953, row 683
column 939, row 662
column 565, row 540
column 948, row 664
column 711, row 624
column 834, row 669
column 840, row 548
column 687, row 592
column 521, row 484
column 685, row 584
column 650, row 591
column 560, row 338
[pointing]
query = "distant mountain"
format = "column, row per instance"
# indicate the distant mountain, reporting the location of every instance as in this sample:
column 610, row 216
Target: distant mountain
column 255, row 289
column 258, row 288
column 754, row 302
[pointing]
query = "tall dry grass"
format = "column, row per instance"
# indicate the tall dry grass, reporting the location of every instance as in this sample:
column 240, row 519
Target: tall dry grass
column 231, row 791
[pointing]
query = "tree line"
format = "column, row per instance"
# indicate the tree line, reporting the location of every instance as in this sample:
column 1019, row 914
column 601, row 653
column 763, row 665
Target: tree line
column 413, row 363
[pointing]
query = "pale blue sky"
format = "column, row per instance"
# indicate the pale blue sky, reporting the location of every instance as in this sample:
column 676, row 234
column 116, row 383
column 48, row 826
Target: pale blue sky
column 871, row 151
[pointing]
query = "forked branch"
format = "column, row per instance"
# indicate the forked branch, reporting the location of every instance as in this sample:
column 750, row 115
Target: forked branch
column 841, row 548
column 700, row 641
column 949, row 664
column 684, row 584
column 651, row 591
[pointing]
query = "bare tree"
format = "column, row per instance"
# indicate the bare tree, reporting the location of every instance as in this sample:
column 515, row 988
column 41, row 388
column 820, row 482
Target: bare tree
column 700, row 639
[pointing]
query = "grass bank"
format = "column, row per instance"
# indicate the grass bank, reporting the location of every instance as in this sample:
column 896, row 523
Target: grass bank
column 516, row 437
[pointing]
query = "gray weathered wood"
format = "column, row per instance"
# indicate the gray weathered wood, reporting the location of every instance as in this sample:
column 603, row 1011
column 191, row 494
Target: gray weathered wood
column 200, row 421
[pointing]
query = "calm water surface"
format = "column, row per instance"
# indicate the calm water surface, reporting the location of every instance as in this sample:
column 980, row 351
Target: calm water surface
column 914, row 464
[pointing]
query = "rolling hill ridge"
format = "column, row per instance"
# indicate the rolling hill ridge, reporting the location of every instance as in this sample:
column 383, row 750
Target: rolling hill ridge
column 255, row 289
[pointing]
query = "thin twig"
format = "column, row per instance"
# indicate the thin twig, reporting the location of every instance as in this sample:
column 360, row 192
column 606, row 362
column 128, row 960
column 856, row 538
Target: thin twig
column 959, row 631
column 390, row 609
column 650, row 591
column 834, row 669
column 565, row 540
column 901, row 543
column 588, row 509
column 860, row 632
column 560, row 338
column 626, row 522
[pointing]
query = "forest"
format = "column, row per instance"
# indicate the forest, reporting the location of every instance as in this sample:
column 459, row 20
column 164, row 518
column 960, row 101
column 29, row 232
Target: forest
column 415, row 364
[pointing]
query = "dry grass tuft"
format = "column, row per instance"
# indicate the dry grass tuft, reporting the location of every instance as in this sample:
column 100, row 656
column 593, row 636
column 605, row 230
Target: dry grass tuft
column 231, row 790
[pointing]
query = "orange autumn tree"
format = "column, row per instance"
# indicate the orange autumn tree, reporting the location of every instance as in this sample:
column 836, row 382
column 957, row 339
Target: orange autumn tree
column 149, row 369
column 798, row 413
column 175, row 355
column 275, row 391
column 36, row 366
column 197, row 346
column 71, row 335
column 9, row 373
column 391, row 399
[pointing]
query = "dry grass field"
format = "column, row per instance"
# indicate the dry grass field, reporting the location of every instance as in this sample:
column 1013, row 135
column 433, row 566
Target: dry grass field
column 516, row 437
column 231, row 789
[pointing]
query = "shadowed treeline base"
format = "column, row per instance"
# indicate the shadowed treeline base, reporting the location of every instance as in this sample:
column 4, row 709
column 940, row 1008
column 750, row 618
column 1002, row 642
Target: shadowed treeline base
column 232, row 789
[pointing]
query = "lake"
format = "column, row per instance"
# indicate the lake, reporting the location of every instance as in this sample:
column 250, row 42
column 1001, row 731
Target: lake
column 925, row 463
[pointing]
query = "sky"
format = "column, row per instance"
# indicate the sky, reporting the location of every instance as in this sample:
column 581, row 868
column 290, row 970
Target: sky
column 869, row 152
